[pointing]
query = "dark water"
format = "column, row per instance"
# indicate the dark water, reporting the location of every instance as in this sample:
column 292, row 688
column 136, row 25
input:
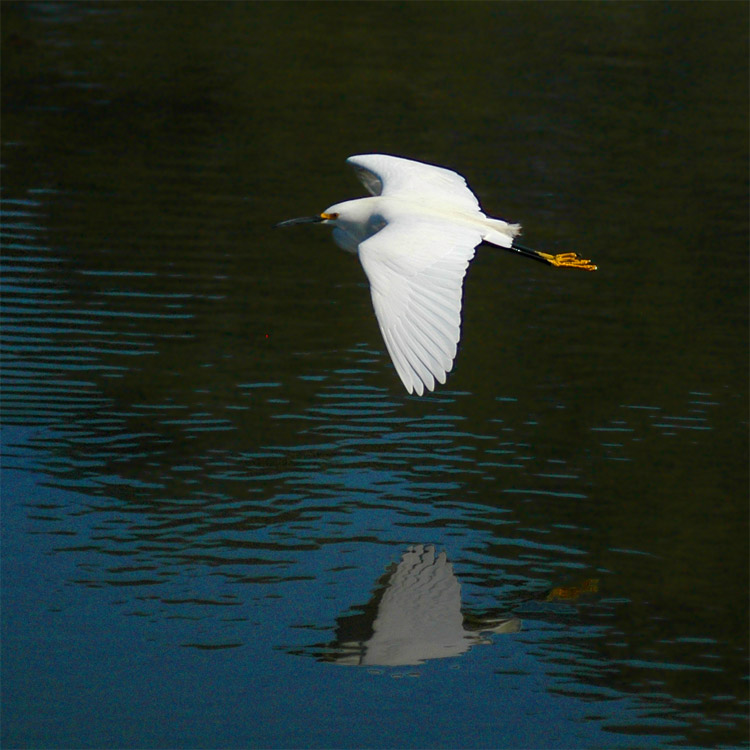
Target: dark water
column 224, row 522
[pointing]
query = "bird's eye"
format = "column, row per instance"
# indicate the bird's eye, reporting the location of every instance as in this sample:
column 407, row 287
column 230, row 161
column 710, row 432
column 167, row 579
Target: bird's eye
column 329, row 217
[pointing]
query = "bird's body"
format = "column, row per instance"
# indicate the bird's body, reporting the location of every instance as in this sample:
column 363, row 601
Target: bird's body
column 367, row 216
column 415, row 237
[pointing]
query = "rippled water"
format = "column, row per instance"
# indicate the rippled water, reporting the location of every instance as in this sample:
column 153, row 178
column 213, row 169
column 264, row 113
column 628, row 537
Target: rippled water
column 224, row 522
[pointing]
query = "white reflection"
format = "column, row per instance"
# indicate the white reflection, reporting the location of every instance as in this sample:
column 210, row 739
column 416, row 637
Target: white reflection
column 418, row 617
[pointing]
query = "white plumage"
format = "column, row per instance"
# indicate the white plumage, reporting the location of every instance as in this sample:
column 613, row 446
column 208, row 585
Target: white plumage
column 416, row 269
column 415, row 237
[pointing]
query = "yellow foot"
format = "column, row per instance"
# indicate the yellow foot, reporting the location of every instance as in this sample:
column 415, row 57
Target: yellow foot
column 569, row 260
column 589, row 586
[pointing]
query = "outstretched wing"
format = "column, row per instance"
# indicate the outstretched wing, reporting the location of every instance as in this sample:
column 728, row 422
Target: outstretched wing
column 416, row 268
column 394, row 176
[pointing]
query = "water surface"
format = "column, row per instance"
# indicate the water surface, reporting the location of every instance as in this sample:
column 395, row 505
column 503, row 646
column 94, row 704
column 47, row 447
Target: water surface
column 219, row 503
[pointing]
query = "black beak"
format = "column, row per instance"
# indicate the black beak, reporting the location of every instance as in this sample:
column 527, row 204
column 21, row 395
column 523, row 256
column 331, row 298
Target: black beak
column 300, row 220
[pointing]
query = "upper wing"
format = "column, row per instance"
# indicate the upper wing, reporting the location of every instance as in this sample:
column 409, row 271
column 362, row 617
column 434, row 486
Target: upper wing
column 394, row 176
column 416, row 269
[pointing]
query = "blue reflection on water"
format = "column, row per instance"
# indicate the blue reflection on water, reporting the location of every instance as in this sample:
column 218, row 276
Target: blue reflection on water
column 199, row 655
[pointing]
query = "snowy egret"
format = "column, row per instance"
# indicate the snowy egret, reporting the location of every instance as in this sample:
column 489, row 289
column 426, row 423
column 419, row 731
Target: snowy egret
column 415, row 237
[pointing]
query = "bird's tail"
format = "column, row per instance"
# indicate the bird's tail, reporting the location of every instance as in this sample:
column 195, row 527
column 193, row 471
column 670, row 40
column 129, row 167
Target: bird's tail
column 501, row 233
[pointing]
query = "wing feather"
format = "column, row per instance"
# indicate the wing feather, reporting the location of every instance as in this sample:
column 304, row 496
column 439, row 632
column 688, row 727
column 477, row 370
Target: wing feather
column 416, row 268
column 403, row 368
column 436, row 341
column 420, row 347
column 420, row 373
column 395, row 176
column 443, row 307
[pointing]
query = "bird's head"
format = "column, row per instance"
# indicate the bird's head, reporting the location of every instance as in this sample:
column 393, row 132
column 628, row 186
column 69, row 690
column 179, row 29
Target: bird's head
column 326, row 217
column 353, row 221
column 340, row 234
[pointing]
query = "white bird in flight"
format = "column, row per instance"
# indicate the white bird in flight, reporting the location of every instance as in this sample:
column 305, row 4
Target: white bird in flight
column 415, row 237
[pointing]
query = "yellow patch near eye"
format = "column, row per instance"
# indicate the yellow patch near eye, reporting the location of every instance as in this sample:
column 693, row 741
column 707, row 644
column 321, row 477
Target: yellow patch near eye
column 329, row 216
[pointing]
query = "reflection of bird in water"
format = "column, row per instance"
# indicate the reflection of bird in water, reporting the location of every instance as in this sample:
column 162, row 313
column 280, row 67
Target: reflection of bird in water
column 417, row 618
